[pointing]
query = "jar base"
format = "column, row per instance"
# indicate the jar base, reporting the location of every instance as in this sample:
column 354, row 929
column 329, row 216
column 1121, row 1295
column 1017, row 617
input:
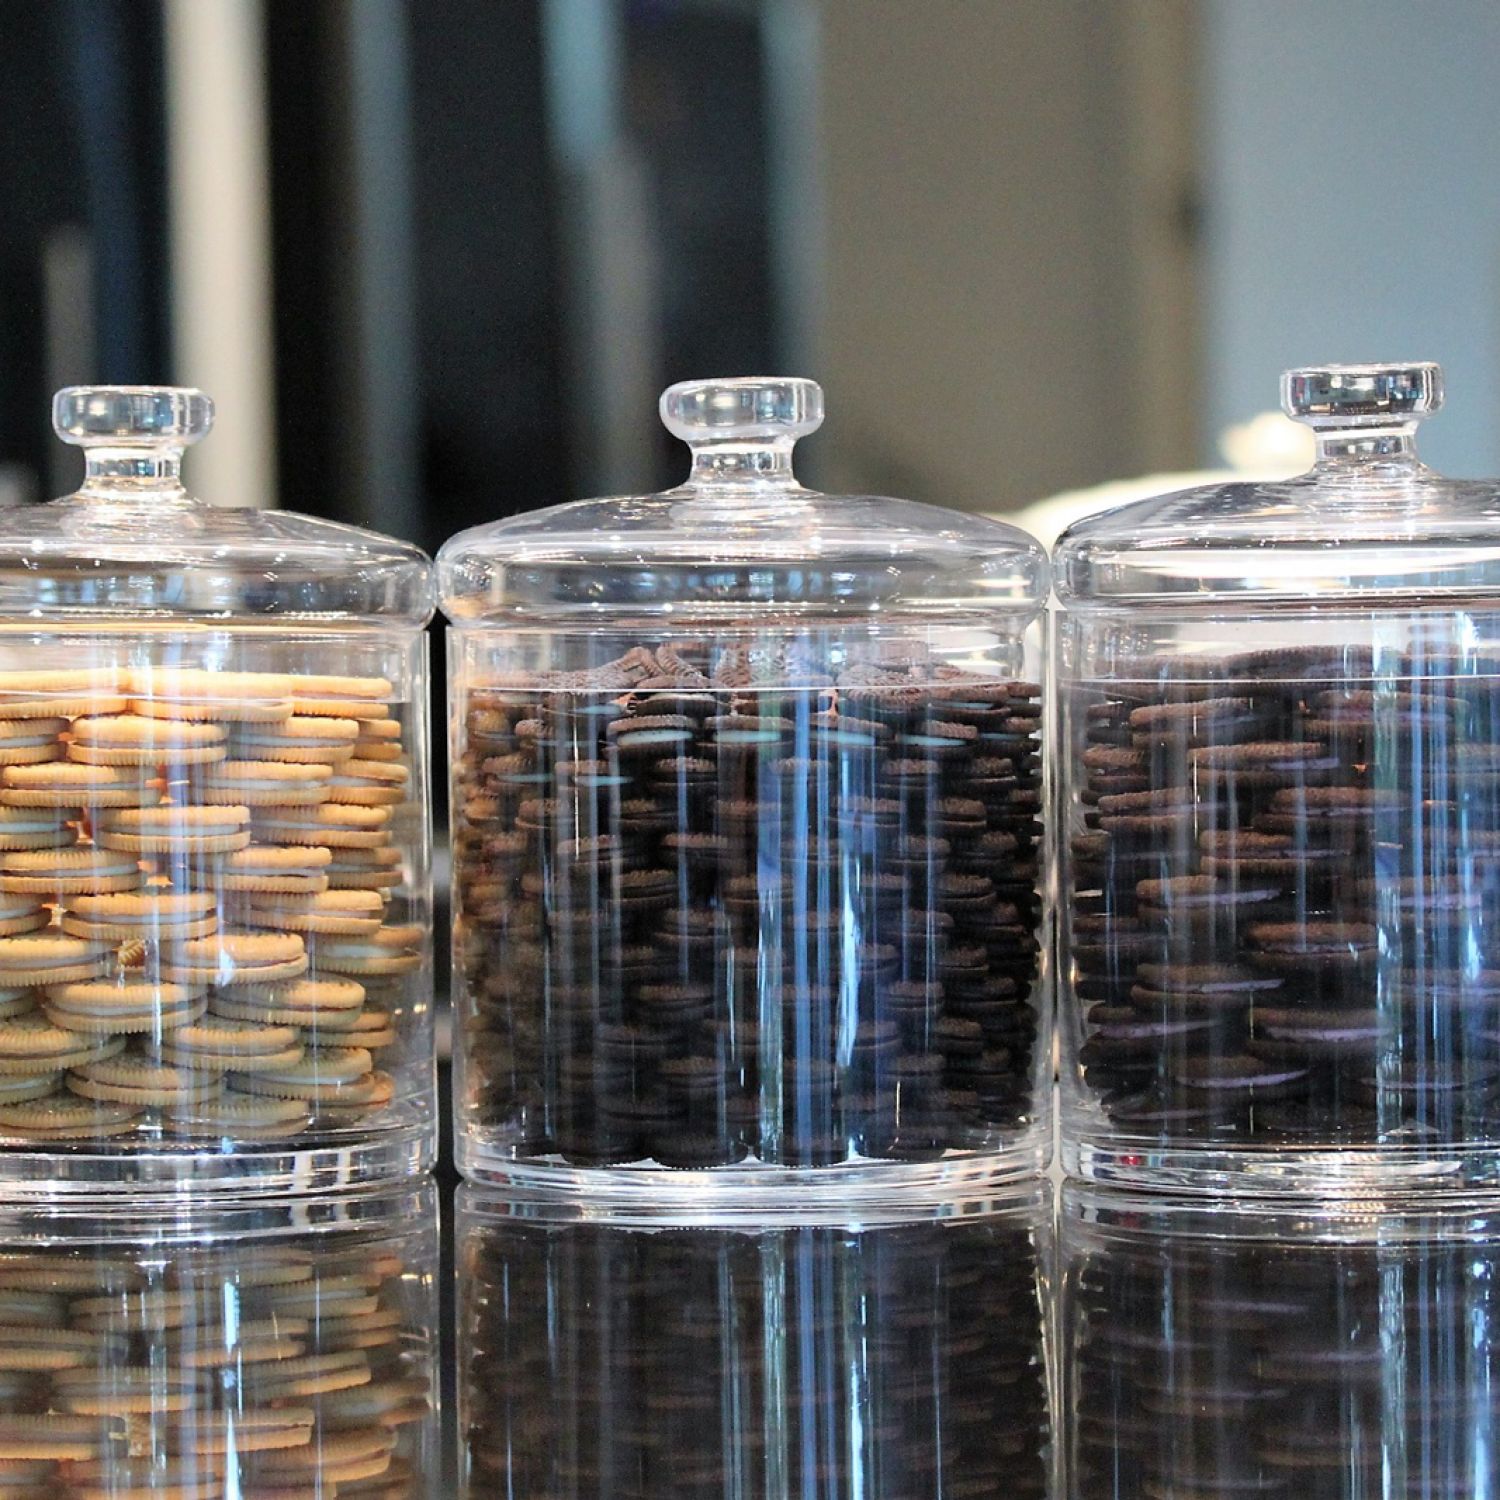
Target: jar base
column 1247, row 1172
column 272, row 1169
column 751, row 1187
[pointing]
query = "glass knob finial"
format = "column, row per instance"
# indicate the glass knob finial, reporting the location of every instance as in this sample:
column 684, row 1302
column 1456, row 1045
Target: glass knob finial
column 131, row 416
column 1362, row 395
column 754, row 409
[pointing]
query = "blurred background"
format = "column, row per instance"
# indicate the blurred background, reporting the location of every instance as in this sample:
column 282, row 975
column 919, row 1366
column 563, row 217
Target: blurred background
column 435, row 258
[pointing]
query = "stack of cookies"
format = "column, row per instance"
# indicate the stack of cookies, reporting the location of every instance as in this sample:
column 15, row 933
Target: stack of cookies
column 717, row 905
column 202, row 934
column 267, row 1370
column 1285, row 874
column 816, row 1361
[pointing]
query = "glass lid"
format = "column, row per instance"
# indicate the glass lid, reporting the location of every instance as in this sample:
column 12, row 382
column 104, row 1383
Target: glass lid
column 740, row 537
column 1367, row 519
column 132, row 543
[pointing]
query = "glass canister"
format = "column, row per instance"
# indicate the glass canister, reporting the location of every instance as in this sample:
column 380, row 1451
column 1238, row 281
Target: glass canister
column 1268, row 1351
column 1280, row 818
column 215, row 897
column 636, row 1355
column 746, row 813
column 222, row 1350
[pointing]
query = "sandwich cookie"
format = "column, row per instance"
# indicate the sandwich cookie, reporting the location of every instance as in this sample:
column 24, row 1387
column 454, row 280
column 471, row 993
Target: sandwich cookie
column 50, row 958
column 369, row 783
column 141, row 1479
column 46, row 694
column 325, row 1075
column 21, row 1088
column 234, row 958
column 35, row 828
column 176, row 830
column 223, row 697
column 20, row 914
column 390, row 950
column 239, row 1117
column 144, row 1082
column 273, row 868
column 66, row 1117
column 244, row 1430
column 60, row 873
column 54, row 1436
column 372, row 1029
column 327, row 1004
column 16, row 1000
column 218, row 1045
column 379, row 739
column 302, row 739
column 105, row 1007
column 331, row 826
column 151, row 916
column 66, row 783
column 360, row 698
column 136, row 740
column 25, row 742
column 365, row 869
column 265, row 783
column 347, row 913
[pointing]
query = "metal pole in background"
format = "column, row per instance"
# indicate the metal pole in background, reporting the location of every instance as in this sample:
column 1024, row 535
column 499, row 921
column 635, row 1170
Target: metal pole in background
column 221, row 240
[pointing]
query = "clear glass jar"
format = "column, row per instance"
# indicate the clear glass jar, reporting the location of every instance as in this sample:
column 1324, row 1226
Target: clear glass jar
column 216, row 1351
column 215, row 895
column 746, row 806
column 1270, row 1350
column 637, row 1355
column 1280, row 818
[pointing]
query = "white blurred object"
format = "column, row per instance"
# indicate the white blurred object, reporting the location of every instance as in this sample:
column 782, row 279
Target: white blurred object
column 1268, row 447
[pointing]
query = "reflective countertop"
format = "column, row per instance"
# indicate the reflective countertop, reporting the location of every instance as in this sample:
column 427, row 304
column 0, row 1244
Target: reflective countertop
column 415, row 1343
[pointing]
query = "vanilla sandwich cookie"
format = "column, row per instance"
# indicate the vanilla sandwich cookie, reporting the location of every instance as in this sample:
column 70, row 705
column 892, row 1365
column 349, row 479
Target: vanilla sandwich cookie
column 49, row 694
column 176, row 830
column 235, row 958
column 151, row 915
column 16, row 1000
column 137, row 740
column 143, row 1479
column 60, row 873
column 325, row 1075
column 361, row 698
column 373, row 1029
column 379, row 739
column 31, row 1045
column 369, row 783
column 123, row 1389
column 383, row 1403
column 220, row 697
column 266, row 783
column 343, row 913
column 295, row 869
column 219, row 1045
column 25, row 742
column 365, row 869
column 302, row 739
column 109, row 1007
column 240, row 1431
column 24, row 1087
column 66, row 1117
column 66, row 783
column 50, row 958
column 330, row 826
column 54, row 1436
column 316, row 1004
column 334, row 1460
column 20, row 914
column 145, row 1082
column 240, row 1117
column 36, row 828
column 392, row 950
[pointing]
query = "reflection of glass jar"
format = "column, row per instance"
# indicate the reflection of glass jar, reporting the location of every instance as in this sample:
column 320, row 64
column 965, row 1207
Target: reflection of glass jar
column 646, row 1356
column 746, row 810
column 1280, row 919
column 1267, row 1350
column 215, row 905
column 272, row 1349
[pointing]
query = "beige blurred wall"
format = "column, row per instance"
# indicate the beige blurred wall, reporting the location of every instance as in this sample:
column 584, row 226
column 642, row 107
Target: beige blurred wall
column 1009, row 295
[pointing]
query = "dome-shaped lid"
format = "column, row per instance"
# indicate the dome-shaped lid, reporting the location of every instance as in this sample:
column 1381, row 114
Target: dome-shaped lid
column 133, row 543
column 1367, row 520
column 740, row 538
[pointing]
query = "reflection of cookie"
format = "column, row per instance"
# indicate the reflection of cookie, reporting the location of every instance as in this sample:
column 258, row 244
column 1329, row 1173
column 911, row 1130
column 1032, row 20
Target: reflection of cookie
column 50, row 958
column 66, row 783
column 270, row 867
column 153, row 916
column 167, row 829
column 332, row 1004
column 332, row 826
column 105, row 1006
column 369, row 783
column 235, row 958
column 25, row 742
column 266, row 783
column 136, row 740
column 68, row 872
column 302, row 738
column 352, row 913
